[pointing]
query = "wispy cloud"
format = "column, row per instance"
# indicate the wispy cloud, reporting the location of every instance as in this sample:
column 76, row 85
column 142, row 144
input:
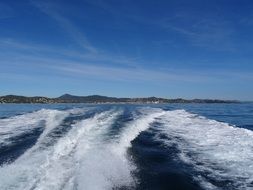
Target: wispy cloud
column 198, row 29
column 208, row 32
column 147, row 75
column 73, row 31
column 212, row 33
column 26, row 48
column 73, row 64
column 85, row 70
column 118, row 74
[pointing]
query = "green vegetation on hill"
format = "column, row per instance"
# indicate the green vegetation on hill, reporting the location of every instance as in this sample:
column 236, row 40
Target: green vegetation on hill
column 67, row 98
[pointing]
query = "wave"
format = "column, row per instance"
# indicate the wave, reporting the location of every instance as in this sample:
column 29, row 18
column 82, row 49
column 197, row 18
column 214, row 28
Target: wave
column 83, row 158
column 221, row 153
column 93, row 152
column 50, row 168
column 18, row 125
column 108, row 165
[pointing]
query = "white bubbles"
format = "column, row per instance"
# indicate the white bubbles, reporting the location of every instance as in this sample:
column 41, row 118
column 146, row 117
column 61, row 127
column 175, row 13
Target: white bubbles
column 55, row 166
column 84, row 158
column 87, row 156
column 18, row 125
column 222, row 151
column 15, row 175
column 107, row 165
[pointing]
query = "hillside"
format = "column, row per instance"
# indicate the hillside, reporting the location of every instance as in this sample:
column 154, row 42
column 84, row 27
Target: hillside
column 67, row 98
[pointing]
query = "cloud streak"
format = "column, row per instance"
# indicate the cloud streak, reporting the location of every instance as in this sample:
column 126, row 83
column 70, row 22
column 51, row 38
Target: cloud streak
column 73, row 31
column 85, row 70
column 25, row 48
column 210, row 32
column 204, row 32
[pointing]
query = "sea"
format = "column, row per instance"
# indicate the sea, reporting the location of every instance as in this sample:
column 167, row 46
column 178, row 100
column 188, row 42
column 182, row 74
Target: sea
column 126, row 146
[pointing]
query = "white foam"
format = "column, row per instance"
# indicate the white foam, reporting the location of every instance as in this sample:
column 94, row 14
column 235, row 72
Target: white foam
column 70, row 150
column 82, row 159
column 108, row 166
column 78, row 111
column 224, row 151
column 18, row 125
column 133, row 129
column 53, row 167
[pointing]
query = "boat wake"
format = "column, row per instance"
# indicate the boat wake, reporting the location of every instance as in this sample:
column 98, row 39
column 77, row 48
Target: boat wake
column 88, row 156
column 220, row 153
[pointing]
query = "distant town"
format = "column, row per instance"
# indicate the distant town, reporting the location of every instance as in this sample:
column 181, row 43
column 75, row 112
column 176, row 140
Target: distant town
column 97, row 99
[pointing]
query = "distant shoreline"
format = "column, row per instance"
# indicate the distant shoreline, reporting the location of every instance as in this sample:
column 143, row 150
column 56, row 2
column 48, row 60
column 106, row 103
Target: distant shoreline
column 97, row 99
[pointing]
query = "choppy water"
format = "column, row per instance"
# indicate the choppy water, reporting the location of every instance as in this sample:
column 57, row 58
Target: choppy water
column 78, row 146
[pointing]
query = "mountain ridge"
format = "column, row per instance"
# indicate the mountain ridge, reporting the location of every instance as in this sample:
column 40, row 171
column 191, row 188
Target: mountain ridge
column 68, row 98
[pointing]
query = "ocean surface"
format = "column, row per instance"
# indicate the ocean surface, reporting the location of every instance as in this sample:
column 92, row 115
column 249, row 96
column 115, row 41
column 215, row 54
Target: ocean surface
column 142, row 147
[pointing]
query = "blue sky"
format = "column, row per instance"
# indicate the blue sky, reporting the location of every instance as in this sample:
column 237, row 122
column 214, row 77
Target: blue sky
column 127, row 48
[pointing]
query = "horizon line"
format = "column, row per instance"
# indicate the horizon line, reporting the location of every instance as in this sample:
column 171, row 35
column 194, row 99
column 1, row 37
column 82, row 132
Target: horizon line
column 130, row 97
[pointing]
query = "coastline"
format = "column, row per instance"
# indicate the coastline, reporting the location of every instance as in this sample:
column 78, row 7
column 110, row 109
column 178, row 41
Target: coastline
column 98, row 99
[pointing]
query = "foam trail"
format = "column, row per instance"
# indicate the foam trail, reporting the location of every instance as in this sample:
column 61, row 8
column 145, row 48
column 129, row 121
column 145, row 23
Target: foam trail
column 107, row 165
column 53, row 167
column 18, row 125
column 133, row 129
column 220, row 152
column 78, row 111
column 54, row 119
column 70, row 149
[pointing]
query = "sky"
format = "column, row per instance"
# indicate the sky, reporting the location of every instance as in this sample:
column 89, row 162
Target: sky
column 127, row 48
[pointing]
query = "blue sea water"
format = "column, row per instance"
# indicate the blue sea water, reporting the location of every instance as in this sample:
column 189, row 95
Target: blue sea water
column 156, row 147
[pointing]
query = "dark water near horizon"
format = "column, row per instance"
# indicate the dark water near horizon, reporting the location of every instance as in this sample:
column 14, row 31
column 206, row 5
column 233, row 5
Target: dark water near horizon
column 142, row 147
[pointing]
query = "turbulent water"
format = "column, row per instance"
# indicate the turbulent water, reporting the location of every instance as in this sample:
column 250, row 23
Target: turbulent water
column 176, row 146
